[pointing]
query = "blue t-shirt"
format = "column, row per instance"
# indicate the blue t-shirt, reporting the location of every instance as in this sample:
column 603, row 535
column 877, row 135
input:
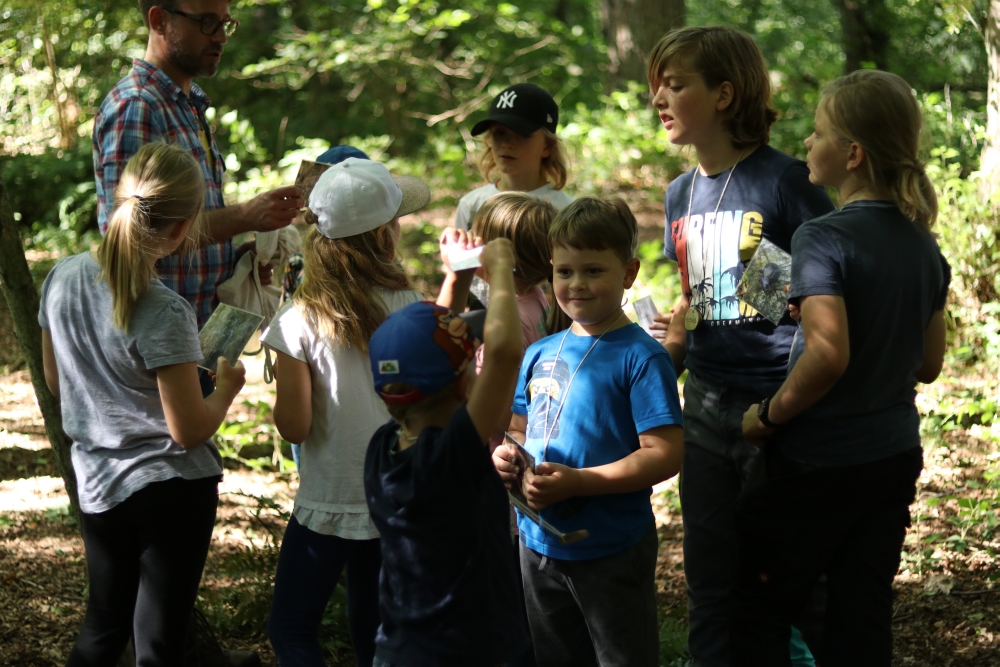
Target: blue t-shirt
column 769, row 196
column 626, row 386
column 449, row 590
column 892, row 278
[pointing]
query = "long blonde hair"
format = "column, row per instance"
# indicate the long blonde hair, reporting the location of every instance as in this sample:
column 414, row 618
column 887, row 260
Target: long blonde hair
column 523, row 219
column 338, row 294
column 878, row 111
column 161, row 184
column 555, row 167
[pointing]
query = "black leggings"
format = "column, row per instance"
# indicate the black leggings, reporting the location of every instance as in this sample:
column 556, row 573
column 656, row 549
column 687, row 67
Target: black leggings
column 800, row 522
column 144, row 559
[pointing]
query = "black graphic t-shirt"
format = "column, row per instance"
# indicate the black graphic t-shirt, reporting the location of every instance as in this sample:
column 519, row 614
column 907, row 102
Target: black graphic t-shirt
column 892, row 278
column 769, row 196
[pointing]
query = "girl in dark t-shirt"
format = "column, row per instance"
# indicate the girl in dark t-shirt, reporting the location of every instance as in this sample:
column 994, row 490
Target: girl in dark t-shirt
column 843, row 449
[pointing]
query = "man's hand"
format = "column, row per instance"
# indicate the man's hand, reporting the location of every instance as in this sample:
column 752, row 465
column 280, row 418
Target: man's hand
column 272, row 210
column 550, row 483
column 753, row 429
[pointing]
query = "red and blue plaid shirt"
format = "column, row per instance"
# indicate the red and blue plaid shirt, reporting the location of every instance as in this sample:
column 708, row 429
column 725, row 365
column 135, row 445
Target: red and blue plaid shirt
column 148, row 106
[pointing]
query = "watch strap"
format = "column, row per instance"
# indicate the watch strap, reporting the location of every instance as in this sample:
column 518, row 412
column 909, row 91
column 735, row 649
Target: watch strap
column 762, row 415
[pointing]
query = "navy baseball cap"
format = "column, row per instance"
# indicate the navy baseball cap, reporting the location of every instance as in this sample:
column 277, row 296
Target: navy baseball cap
column 523, row 108
column 338, row 154
column 423, row 345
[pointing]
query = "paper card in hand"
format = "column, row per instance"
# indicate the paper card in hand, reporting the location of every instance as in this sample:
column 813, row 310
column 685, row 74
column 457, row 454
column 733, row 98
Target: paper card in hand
column 526, row 461
column 305, row 180
column 645, row 310
column 225, row 334
column 462, row 259
column 765, row 279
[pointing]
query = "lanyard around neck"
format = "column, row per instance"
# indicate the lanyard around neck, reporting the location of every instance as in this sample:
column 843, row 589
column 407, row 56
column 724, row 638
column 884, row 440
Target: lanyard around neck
column 725, row 186
column 548, row 426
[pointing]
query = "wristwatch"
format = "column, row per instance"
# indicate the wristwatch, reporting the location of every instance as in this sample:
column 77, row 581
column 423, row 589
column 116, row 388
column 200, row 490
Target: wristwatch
column 762, row 413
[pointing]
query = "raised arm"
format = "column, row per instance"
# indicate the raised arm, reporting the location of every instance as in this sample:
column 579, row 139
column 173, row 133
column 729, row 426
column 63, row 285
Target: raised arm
column 191, row 419
column 502, row 337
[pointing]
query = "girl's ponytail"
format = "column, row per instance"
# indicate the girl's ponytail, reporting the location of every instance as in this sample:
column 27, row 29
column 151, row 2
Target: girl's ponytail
column 877, row 110
column 161, row 184
column 914, row 193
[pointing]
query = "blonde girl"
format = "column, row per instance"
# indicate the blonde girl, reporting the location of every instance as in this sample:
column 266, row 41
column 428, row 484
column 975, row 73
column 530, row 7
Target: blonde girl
column 120, row 351
column 326, row 400
column 521, row 151
column 841, row 435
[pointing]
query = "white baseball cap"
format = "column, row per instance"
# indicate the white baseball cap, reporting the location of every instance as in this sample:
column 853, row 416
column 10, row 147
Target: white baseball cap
column 356, row 196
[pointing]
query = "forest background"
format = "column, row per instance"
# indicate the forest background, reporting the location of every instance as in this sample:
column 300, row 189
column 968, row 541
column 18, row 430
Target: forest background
column 404, row 80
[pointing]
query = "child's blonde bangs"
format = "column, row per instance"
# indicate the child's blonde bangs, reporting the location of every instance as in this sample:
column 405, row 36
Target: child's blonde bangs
column 555, row 167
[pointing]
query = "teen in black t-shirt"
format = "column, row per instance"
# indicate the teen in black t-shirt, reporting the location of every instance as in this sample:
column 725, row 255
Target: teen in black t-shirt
column 712, row 91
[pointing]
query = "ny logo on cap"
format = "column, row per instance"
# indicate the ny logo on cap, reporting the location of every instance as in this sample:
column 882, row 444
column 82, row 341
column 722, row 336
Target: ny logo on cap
column 506, row 100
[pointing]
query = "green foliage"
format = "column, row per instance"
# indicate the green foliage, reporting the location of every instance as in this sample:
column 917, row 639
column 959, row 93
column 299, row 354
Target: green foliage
column 673, row 643
column 408, row 65
column 619, row 143
column 254, row 441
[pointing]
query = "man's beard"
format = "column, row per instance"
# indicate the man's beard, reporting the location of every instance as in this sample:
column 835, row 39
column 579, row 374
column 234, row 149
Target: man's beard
column 189, row 62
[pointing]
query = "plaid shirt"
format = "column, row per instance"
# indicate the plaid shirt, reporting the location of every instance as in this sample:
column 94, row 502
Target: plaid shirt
column 148, row 106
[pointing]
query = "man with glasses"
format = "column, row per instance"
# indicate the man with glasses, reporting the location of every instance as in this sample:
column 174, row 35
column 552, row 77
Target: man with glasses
column 159, row 101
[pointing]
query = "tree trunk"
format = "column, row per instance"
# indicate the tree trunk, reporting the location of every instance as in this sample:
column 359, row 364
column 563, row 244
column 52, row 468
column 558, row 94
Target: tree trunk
column 990, row 162
column 631, row 30
column 66, row 135
column 22, row 299
column 865, row 28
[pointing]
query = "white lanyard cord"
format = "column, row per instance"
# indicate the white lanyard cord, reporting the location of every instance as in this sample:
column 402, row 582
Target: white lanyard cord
column 694, row 179
column 552, row 425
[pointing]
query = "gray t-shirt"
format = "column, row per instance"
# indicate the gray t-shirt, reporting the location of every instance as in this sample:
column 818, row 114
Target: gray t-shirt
column 110, row 401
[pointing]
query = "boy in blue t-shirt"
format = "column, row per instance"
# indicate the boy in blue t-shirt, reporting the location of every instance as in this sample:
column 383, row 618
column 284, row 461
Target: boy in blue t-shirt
column 597, row 407
column 448, row 593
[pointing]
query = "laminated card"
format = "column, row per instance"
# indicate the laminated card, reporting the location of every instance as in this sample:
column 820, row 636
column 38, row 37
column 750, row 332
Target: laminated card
column 225, row 334
column 765, row 279
column 526, row 461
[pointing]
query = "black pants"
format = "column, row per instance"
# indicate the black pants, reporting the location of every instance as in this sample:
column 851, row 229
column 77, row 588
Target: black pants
column 586, row 613
column 144, row 559
column 797, row 522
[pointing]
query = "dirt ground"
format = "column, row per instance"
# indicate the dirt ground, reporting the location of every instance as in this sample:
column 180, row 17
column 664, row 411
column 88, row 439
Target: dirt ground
column 946, row 608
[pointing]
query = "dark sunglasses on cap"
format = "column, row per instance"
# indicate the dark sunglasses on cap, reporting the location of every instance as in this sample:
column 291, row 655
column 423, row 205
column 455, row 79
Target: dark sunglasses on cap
column 210, row 23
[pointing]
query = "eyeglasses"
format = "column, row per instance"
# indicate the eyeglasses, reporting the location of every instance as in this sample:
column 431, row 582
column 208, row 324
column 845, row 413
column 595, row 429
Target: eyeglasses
column 209, row 24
